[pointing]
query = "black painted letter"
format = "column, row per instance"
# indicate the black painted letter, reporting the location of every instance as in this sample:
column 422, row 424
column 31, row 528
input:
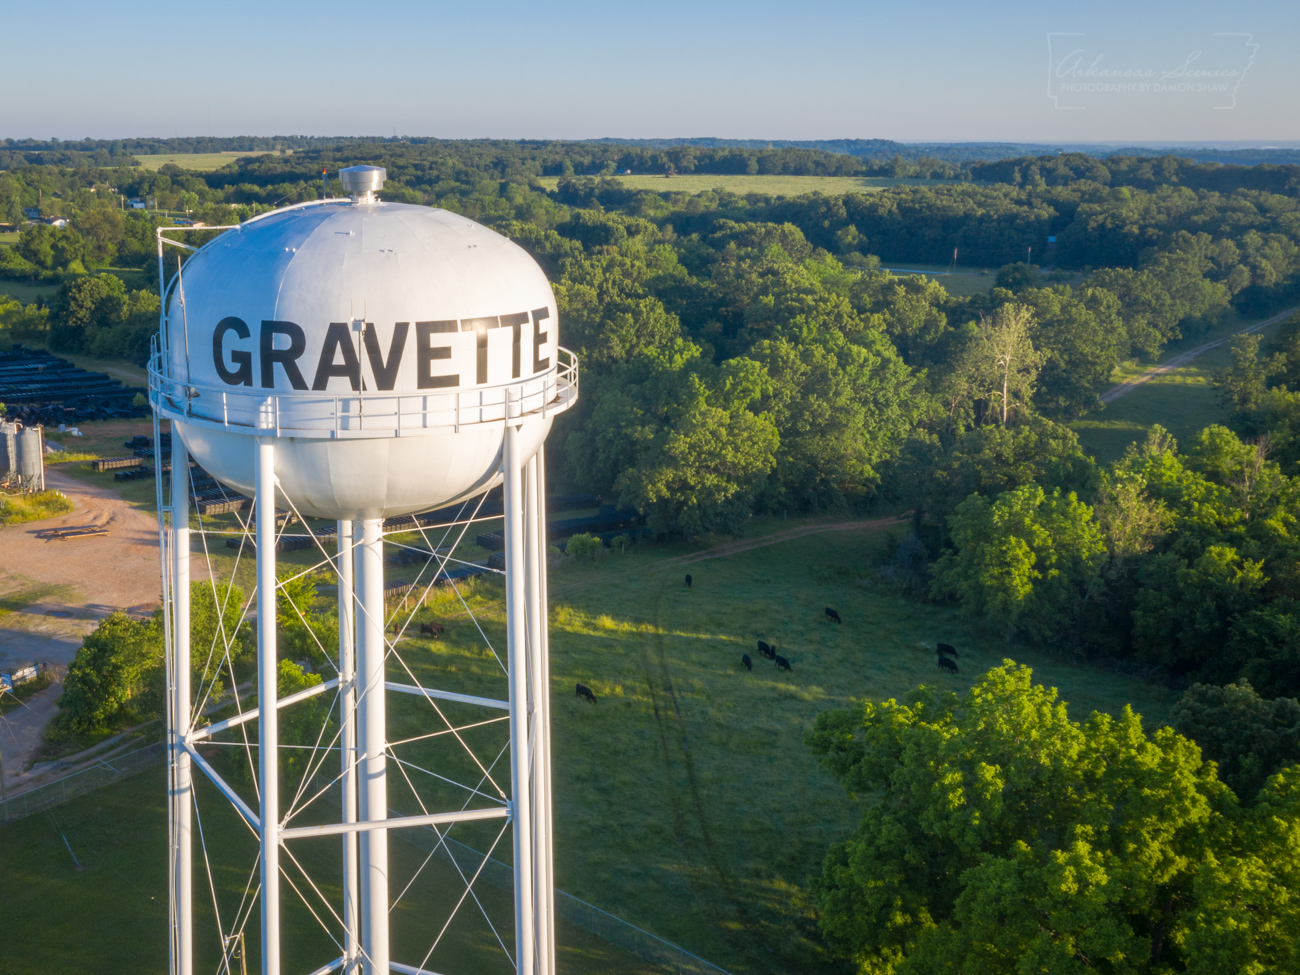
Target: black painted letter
column 480, row 326
column 514, row 321
column 242, row 374
column 539, row 339
column 426, row 352
column 338, row 338
column 288, row 358
column 386, row 373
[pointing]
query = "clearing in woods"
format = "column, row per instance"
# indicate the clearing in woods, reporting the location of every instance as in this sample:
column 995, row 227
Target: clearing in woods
column 960, row 281
column 202, row 162
column 1177, row 393
column 111, row 917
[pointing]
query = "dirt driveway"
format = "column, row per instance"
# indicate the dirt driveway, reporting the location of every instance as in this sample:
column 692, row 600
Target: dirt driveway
column 52, row 593
column 86, row 577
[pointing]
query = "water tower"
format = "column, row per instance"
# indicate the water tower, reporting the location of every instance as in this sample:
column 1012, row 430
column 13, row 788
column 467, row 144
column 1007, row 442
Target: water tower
column 357, row 361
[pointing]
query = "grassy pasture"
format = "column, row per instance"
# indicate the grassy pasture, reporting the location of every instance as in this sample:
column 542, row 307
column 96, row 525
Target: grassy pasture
column 201, row 162
column 686, row 800
column 772, row 185
column 1183, row 400
column 26, row 292
column 111, row 917
column 961, row 282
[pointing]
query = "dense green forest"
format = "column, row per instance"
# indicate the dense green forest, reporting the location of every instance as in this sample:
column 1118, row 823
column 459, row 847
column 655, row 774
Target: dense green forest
column 748, row 354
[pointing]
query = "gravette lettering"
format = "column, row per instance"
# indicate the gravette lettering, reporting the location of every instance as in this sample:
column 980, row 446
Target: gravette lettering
column 340, row 353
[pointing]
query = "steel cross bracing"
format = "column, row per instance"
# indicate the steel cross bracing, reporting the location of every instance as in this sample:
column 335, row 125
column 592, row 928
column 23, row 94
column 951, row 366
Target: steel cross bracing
column 335, row 780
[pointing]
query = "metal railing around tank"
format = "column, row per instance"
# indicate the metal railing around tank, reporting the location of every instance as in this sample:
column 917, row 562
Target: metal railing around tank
column 362, row 416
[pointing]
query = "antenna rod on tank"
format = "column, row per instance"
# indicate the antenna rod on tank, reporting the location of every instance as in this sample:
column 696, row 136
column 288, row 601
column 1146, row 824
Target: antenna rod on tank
column 185, row 319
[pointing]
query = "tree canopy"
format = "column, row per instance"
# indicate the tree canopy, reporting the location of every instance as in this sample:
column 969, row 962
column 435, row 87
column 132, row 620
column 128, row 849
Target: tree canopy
column 999, row 835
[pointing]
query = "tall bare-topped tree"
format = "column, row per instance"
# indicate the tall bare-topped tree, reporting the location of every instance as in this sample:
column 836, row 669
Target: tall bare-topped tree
column 1009, row 361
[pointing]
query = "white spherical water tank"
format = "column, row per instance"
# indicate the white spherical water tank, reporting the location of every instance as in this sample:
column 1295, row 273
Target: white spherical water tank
column 381, row 345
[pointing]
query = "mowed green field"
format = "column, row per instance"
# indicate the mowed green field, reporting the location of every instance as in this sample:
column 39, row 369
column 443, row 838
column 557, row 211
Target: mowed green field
column 1183, row 400
column 27, row 293
column 772, row 185
column 686, row 799
column 111, row 917
column 961, row 281
column 203, row 162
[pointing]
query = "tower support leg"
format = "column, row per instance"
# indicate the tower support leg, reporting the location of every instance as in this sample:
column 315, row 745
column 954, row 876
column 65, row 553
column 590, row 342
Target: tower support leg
column 534, row 567
column 348, row 741
column 182, row 784
column 516, row 637
column 546, row 858
column 372, row 743
column 268, row 735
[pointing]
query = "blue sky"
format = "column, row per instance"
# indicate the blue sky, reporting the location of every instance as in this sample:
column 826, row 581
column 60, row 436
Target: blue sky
column 941, row 71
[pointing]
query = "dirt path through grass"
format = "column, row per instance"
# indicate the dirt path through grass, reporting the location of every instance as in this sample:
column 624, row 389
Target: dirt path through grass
column 1183, row 358
column 746, row 544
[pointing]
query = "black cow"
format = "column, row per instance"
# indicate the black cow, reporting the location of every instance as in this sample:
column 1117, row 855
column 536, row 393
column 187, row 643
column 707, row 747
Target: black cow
column 434, row 629
column 585, row 691
column 948, row 665
column 767, row 651
column 744, row 659
column 832, row 615
column 782, row 663
column 947, row 650
column 688, row 580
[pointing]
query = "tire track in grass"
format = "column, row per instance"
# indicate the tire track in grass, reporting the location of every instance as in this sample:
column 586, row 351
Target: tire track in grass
column 748, row 544
column 674, row 740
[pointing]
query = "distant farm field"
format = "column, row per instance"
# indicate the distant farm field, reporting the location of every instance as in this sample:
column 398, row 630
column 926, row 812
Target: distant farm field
column 200, row 161
column 961, row 281
column 772, row 185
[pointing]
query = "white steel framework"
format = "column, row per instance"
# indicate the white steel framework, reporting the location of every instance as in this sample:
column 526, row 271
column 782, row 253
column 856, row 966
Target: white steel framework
column 364, row 662
column 350, row 780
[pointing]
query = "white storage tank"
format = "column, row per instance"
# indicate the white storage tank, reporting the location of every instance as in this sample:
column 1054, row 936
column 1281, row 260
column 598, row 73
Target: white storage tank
column 8, row 449
column 381, row 346
column 31, row 459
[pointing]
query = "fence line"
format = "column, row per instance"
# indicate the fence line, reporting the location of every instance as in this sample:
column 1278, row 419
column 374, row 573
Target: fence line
column 108, row 771
column 608, row 927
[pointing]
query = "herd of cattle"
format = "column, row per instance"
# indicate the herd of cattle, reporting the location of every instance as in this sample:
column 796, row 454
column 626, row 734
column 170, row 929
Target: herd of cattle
column 945, row 652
